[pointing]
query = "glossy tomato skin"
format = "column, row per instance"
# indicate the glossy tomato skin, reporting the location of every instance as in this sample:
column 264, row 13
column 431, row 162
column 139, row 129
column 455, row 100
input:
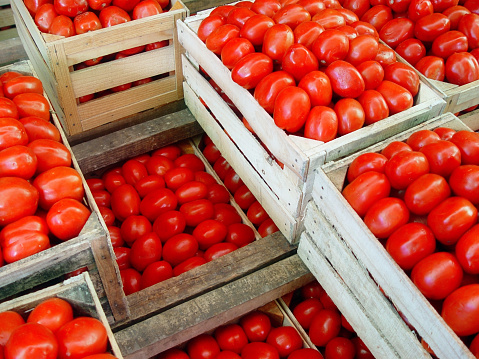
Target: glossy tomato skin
column 378, row 16
column 318, row 87
column 32, row 104
column 18, row 161
column 12, row 133
column 85, row 22
column 291, row 108
column 433, row 67
column 306, row 33
column 190, row 161
column 31, row 340
column 443, row 157
column 52, row 313
column 305, row 353
column 191, row 191
column 468, row 143
column 467, row 250
column 209, row 24
column 70, row 8
column 239, row 16
column 125, row 202
column 464, row 182
column 239, row 234
column 158, row 202
column 298, row 61
column 113, row 15
column 330, row 45
column 234, row 50
column 403, row 75
column 24, row 243
column 269, row 86
column 10, row 320
column 362, row 48
column 18, row 198
column 396, row 31
column 405, row 167
column 133, row 227
column 50, row 154
column 397, row 97
column 350, row 114
column 259, row 350
column 155, row 273
column 146, row 8
column 220, row 36
column 395, row 147
column 291, row 15
column 421, row 138
column 325, row 326
column 29, row 223
column 346, row 81
column 22, row 84
column 149, row 184
column 366, row 162
column 461, row 308
column 188, row 264
column 66, row 218
column 449, row 43
column 179, row 248
column 218, row 193
column 37, row 128
column 305, row 311
column 197, row 211
column 429, row 27
column 218, row 250
column 255, row 27
column 231, row 337
column 385, row 216
column 277, row 41
column 461, row 68
column 8, row 109
column 145, row 250
column 372, row 73
column 451, row 219
column 209, row 232
column 62, row 25
column 249, row 71
column 425, row 193
column 374, row 106
column 256, row 325
column 412, row 50
column 341, row 347
column 321, row 124
column 133, row 171
column 203, row 346
column 469, row 25
column 285, row 339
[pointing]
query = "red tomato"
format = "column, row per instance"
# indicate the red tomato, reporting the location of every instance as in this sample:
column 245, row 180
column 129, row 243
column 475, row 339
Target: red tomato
column 298, row 61
column 243, row 197
column 33, row 5
column 432, row 67
column 425, row 193
column 209, row 24
column 348, row 15
column 403, row 75
column 113, row 15
column 146, row 8
column 190, row 161
column 306, row 310
column 443, row 157
column 24, row 243
column 209, row 232
column 220, row 36
column 366, row 162
column 269, row 86
column 66, row 218
column 218, row 250
column 188, row 264
column 37, row 128
column 330, row 45
column 467, row 250
column 437, row 275
column 226, row 214
column 107, row 215
column 468, row 143
column 155, row 273
column 176, row 177
column 449, row 43
column 266, row 7
column 85, row 22
column 239, row 234
column 366, row 190
column 234, row 50
column 22, row 84
column 350, row 31
column 256, row 325
column 455, row 14
column 306, row 353
column 346, row 81
column 223, row 10
column 462, row 68
column 50, row 154
column 239, row 15
column 52, row 313
column 18, row 161
column 421, row 138
column 339, row 347
column 374, row 106
column 179, row 248
column 385, row 216
column 321, row 124
column 461, row 308
column 405, row 167
column 28, row 223
column 464, row 182
column 325, row 326
column 115, row 236
column 32, row 340
column 157, row 202
column 372, row 73
column 256, row 213
column 112, row 180
column 172, row 152
column 211, row 153
column 133, row 227
column 411, row 50
column 469, row 25
column 133, row 171
column 18, row 198
column 218, row 194
column 285, row 339
column 362, row 48
column 191, row 191
column 329, row 18
column 291, row 15
column 130, row 279
column 306, row 33
column 159, row 165
column 429, row 27
column 267, row 228
column 312, row 290
column 231, row 337
column 70, row 8
column 98, row 4
column 126, row 5
column 10, row 320
column 125, row 202
column 62, row 25
column 149, row 184
column 145, row 251
column 291, row 108
column 397, row 97
column 81, row 337
column 249, row 71
column 451, row 219
column 232, row 181
column 258, row 350
column 277, row 41
column 350, row 114
column 197, row 211
column 445, row 133
column 32, row 104
column 378, row 16
column 12, row 133
column 318, row 87
column 173, row 353
column 411, row 243
column 203, row 346
column 396, row 31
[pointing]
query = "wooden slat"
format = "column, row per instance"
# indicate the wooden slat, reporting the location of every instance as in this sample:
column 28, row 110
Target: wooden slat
column 471, row 119
column 12, row 50
column 6, row 18
column 214, row 308
column 211, row 275
column 114, row 147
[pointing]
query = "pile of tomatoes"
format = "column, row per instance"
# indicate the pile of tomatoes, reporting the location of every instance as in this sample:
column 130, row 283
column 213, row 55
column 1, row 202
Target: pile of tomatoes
column 420, row 199
column 41, row 195
column 241, row 193
column 166, row 215
column 254, row 336
column 439, row 37
column 313, row 65
column 326, row 326
column 51, row 330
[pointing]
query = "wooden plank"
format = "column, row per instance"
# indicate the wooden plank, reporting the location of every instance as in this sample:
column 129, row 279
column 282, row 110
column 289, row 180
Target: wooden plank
column 12, row 50
column 216, row 307
column 217, row 273
column 6, row 18
column 357, row 295
column 198, row 5
column 135, row 140
column 471, row 119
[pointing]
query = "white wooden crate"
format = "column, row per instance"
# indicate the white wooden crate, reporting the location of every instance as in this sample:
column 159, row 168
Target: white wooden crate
column 350, row 228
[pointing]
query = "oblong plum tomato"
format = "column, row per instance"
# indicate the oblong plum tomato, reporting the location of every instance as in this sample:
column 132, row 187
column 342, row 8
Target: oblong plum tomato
column 197, row 211
column 157, row 202
column 255, row 27
column 330, row 45
column 277, row 40
column 169, row 224
column 362, row 48
column 405, row 167
column 397, row 97
column 12, row 133
column 249, row 71
column 469, row 25
column 403, row 75
column 307, row 32
column 425, row 193
column 291, row 108
column 256, row 325
column 461, row 68
column 50, row 154
column 468, row 143
column 321, row 124
column 411, row 50
column 372, row 73
column 385, row 216
column 374, row 105
column 421, row 138
column 443, row 157
column 378, row 16
column 298, row 61
column 325, row 326
column 449, row 43
column 208, row 25
column 461, row 308
column 285, row 339
column 38, row 128
column 467, row 250
column 350, row 114
column 179, row 248
column 396, row 31
column 18, row 161
column 429, row 27
column 220, row 36
column 306, row 310
column 32, row 104
column 234, row 50
column 291, row 15
column 269, row 86
column 239, row 16
column 346, row 81
column 240, row 234
column 66, row 218
column 464, row 182
column 318, row 87
column 433, row 67
column 125, row 202
column 177, row 177
column 22, row 84
column 366, row 162
column 329, row 18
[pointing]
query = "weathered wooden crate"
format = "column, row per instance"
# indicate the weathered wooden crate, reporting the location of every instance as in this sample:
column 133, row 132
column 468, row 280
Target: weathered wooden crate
column 347, row 229
column 53, row 58
column 79, row 292
column 91, row 248
column 283, row 192
column 6, row 21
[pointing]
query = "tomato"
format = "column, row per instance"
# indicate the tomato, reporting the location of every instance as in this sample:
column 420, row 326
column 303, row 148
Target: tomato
column 203, row 346
column 238, row 16
column 190, row 161
column 346, row 81
column 467, row 250
column 221, row 167
column 442, row 5
column 306, row 310
column 22, row 84
column 239, row 234
column 36, row 128
column 234, row 50
column 149, row 184
column 425, row 193
column 231, row 337
column 325, row 326
column 403, row 75
column 421, row 138
column 396, row 31
column 405, row 167
column 429, row 27
column 449, row 43
column 411, row 50
column 468, row 143
column 172, row 152
column 378, row 16
column 291, row 15
column 188, row 265
column 298, row 61
column 113, row 15
column 12, row 133
column 348, row 15
column 366, row 162
column 145, row 250
column 461, row 308
column 8, row 110
column 107, row 215
column 10, row 320
column 31, row 340
column 24, row 243
column 29, row 223
column 52, row 313
column 197, row 211
column 285, row 339
column 256, row 326
column 66, row 218
column 306, row 353
column 208, row 25
column 32, row 104
column 330, row 45
column 362, row 48
column 126, row 5
column 410, row 243
column 277, row 41
column 374, row 106
column 350, row 31
column 269, row 86
column 211, row 153
column 232, row 181
column 291, row 108
column 443, row 157
column 100, row 356
column 445, row 133
column 177, row 177
column 146, row 8
column 33, row 5
column 321, row 124
column 159, row 165
column 266, row 7
column 464, row 181
column 306, row 33
column 209, row 232
column 312, row 290
column 372, row 73
column 155, row 273
column 248, row 71
column 256, row 213
column 462, row 68
column 62, row 25
column 18, row 161
column 340, row 348
column 474, row 347
column 432, row 67
column 226, row 214
column 173, row 353
column 125, row 202
column 98, row 4
column 191, row 191
column 85, row 22
column 130, row 279
column 451, row 219
column 218, row 250
column 455, row 14
column 437, row 275
column 350, row 114
column 366, row 190
column 115, row 236
column 258, row 350
column 419, row 8
column 70, row 8
column 157, row 202
column 220, row 36
column 218, row 194
column 179, row 248
column 318, row 87
column 329, row 18
column 397, row 97
column 81, row 337
column 385, row 216
column 133, row 171
column 50, row 154
column 243, row 197
column 113, row 180
column 18, row 198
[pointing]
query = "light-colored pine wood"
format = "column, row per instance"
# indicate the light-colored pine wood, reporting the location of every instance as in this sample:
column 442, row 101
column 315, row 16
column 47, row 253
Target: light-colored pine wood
column 393, row 281
column 471, row 119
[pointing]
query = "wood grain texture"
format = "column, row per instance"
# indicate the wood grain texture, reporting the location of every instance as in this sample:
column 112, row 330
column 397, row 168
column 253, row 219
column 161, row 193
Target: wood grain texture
column 209, row 276
column 12, row 50
column 199, row 5
column 212, row 309
column 471, row 119
column 135, row 140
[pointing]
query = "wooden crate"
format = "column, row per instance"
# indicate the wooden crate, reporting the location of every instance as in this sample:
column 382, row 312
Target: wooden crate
column 91, row 248
column 349, row 228
column 79, row 292
column 53, row 58
column 283, row 192
column 7, row 21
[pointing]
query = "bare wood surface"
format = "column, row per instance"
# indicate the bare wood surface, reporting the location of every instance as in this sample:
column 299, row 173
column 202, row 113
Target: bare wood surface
column 194, row 5
column 126, row 143
column 209, row 276
column 471, row 119
column 12, row 50
column 214, row 308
